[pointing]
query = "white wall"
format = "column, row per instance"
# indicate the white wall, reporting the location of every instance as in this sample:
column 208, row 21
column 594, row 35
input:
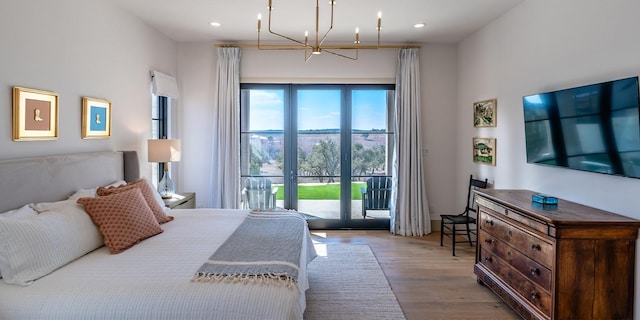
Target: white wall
column 539, row 46
column 535, row 49
column 197, row 72
column 197, row 67
column 81, row 48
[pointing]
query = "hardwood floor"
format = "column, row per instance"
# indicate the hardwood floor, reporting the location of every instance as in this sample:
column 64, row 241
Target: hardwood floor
column 428, row 281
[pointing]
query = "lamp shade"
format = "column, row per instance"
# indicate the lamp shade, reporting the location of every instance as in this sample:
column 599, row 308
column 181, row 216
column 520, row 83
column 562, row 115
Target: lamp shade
column 163, row 150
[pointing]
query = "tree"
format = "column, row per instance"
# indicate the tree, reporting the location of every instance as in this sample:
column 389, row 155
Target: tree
column 257, row 158
column 359, row 165
column 367, row 161
column 377, row 158
column 324, row 160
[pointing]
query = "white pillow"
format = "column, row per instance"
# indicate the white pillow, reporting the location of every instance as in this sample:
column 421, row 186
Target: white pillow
column 22, row 212
column 116, row 183
column 83, row 193
column 55, row 205
column 91, row 193
column 33, row 247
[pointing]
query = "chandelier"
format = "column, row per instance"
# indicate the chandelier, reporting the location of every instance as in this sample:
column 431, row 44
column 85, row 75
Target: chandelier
column 317, row 46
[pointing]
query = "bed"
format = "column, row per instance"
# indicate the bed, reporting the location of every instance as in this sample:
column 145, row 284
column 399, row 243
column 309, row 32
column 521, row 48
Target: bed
column 159, row 277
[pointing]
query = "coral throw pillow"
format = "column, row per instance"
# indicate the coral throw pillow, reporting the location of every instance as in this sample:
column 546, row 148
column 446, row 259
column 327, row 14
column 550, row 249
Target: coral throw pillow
column 147, row 192
column 124, row 218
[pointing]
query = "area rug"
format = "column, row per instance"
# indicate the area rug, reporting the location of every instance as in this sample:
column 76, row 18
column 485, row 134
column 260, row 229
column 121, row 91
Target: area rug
column 346, row 282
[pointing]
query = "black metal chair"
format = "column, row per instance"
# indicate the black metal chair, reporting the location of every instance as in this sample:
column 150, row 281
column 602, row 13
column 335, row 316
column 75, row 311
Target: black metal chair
column 449, row 222
column 258, row 194
column 377, row 194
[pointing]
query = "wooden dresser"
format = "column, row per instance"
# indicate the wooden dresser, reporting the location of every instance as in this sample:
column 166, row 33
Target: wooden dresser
column 571, row 262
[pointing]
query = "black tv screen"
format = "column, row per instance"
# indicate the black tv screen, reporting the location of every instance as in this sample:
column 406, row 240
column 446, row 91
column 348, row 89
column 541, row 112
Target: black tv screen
column 591, row 128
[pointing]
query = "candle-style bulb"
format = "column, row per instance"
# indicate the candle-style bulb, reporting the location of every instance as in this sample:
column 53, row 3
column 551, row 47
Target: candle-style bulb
column 259, row 21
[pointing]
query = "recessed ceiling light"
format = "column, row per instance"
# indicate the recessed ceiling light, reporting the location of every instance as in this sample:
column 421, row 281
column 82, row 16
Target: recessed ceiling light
column 419, row 25
column 214, row 24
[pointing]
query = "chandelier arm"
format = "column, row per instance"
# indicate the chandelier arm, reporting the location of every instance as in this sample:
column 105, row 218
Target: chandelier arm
column 281, row 35
column 330, row 25
column 275, row 47
column 307, row 57
column 342, row 55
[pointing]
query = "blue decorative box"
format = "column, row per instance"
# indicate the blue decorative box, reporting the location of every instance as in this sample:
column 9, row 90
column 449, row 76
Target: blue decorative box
column 544, row 206
column 544, row 199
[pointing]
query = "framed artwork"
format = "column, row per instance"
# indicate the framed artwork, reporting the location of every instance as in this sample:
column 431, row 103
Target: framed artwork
column 484, row 113
column 35, row 114
column 96, row 118
column 484, row 150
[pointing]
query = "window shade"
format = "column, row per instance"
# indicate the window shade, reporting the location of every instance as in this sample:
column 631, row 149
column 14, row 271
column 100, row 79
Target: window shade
column 164, row 85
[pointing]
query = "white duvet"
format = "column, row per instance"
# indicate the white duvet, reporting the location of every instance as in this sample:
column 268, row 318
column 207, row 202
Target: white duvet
column 152, row 280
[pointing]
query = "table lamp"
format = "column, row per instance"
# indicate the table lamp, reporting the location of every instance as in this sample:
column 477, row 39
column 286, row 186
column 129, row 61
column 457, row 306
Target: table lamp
column 164, row 151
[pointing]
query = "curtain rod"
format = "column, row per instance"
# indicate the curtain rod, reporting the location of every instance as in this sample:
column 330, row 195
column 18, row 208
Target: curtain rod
column 298, row 47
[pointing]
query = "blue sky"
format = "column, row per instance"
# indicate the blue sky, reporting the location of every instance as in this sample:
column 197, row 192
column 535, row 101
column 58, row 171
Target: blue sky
column 317, row 109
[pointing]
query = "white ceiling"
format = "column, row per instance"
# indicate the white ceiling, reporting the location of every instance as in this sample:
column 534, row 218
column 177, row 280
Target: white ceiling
column 447, row 21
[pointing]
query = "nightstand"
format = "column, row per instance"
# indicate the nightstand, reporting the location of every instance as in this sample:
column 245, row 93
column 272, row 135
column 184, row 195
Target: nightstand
column 185, row 200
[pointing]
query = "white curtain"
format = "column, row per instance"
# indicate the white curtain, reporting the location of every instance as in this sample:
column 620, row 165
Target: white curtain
column 409, row 208
column 225, row 166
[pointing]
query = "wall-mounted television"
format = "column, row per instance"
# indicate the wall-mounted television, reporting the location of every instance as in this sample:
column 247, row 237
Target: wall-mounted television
column 591, row 128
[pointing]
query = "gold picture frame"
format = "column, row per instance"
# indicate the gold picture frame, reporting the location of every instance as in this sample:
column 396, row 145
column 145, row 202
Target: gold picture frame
column 484, row 113
column 484, row 150
column 35, row 114
column 96, row 118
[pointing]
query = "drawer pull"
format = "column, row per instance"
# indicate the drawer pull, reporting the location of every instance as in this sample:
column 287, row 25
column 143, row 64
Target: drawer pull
column 489, row 222
column 489, row 241
column 536, row 247
column 534, row 295
column 534, row 271
column 488, row 259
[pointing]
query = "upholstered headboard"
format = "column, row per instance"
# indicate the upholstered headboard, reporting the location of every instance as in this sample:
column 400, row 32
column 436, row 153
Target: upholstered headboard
column 53, row 178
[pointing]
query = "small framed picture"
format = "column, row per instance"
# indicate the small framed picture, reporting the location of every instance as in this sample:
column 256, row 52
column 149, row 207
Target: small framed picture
column 484, row 113
column 35, row 114
column 484, row 150
column 96, row 118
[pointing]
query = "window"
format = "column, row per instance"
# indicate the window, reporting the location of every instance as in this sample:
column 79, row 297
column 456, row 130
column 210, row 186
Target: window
column 159, row 128
column 318, row 144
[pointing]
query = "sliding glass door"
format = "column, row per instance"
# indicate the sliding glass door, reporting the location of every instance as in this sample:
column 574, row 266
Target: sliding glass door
column 318, row 145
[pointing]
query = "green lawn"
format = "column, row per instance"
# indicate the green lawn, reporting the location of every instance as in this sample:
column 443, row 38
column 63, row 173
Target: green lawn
column 329, row 191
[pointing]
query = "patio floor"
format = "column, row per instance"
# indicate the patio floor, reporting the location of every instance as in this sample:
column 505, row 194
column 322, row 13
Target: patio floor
column 330, row 209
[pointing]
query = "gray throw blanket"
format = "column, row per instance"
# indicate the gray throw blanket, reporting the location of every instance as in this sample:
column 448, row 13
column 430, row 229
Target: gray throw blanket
column 265, row 248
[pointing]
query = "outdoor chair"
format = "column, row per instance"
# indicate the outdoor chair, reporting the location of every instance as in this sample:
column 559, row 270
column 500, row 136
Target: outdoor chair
column 258, row 194
column 449, row 222
column 376, row 195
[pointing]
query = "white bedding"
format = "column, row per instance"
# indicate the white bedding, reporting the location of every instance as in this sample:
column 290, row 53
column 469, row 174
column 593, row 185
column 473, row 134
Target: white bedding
column 152, row 280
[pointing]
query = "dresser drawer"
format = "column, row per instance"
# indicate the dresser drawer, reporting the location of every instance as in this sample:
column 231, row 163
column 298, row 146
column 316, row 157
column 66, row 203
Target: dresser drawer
column 528, row 290
column 527, row 243
column 528, row 267
column 527, row 221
